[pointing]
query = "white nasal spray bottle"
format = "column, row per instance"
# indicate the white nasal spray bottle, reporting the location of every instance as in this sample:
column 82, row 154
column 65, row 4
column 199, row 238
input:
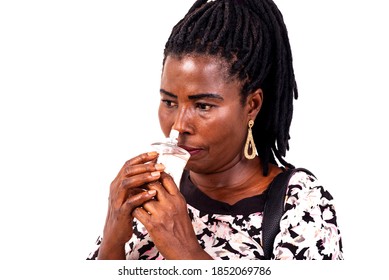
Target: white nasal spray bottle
column 173, row 157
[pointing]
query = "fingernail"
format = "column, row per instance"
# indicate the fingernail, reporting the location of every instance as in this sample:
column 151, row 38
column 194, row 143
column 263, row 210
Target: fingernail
column 155, row 174
column 153, row 153
column 159, row 166
column 152, row 192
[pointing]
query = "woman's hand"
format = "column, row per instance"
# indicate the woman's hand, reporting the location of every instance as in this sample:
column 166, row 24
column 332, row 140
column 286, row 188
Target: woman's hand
column 127, row 192
column 167, row 221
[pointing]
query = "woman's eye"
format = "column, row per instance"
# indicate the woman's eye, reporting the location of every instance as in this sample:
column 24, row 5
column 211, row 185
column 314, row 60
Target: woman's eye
column 169, row 103
column 204, row 106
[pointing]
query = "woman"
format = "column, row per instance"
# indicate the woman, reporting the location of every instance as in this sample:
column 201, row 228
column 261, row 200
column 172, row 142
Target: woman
column 227, row 86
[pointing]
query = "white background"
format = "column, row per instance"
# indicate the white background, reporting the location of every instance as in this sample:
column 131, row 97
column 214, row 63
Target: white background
column 79, row 89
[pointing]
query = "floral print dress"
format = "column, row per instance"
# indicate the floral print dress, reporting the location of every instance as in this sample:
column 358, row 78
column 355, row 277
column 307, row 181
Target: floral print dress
column 309, row 230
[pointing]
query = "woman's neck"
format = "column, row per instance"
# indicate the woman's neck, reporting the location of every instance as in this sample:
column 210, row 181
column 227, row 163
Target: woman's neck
column 244, row 179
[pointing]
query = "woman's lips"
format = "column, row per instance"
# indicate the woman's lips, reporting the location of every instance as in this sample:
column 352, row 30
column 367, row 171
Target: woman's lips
column 191, row 150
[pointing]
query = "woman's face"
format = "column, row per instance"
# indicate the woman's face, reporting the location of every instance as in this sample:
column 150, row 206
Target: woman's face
column 199, row 102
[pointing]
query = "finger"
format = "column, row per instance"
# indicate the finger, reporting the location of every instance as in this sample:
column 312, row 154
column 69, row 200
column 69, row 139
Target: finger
column 138, row 160
column 131, row 170
column 162, row 192
column 168, row 183
column 135, row 201
column 139, row 180
column 162, row 199
column 135, row 191
column 151, row 206
column 142, row 215
column 143, row 158
column 120, row 188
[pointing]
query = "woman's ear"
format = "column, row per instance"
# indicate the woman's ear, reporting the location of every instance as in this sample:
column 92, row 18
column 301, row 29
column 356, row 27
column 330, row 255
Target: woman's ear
column 254, row 103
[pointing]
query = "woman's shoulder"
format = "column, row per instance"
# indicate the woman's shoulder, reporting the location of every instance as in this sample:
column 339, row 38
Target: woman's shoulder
column 304, row 184
column 303, row 177
column 305, row 191
column 309, row 227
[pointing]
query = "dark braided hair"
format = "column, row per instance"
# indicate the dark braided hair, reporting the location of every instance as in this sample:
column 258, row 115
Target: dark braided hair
column 250, row 35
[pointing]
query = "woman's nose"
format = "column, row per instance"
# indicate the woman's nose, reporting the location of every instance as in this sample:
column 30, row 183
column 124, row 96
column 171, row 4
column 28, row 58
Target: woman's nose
column 182, row 121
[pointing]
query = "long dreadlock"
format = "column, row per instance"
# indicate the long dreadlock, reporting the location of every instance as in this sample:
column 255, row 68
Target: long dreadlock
column 251, row 36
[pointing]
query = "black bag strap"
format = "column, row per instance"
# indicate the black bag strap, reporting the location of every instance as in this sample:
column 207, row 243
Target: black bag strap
column 274, row 208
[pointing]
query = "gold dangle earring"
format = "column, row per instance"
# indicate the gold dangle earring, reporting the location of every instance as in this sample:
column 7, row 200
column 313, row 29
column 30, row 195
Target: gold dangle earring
column 250, row 145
